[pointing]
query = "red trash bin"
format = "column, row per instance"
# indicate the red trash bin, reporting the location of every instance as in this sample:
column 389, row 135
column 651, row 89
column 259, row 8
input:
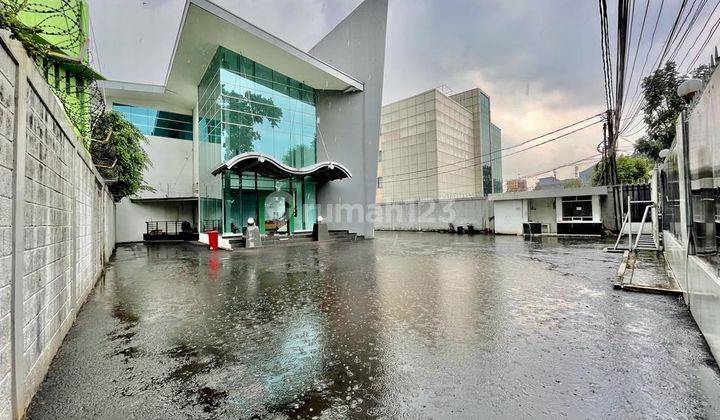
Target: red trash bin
column 213, row 239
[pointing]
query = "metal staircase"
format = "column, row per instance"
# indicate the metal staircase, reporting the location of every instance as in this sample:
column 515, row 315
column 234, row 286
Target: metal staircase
column 642, row 241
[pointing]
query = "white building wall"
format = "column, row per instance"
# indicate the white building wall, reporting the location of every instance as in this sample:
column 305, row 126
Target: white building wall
column 704, row 299
column 171, row 173
column 408, row 142
column 428, row 142
column 455, row 149
column 596, row 210
column 509, row 216
column 131, row 217
column 699, row 280
column 434, row 215
column 542, row 210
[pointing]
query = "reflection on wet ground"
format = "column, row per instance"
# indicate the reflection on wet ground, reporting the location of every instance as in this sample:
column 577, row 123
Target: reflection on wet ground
column 406, row 325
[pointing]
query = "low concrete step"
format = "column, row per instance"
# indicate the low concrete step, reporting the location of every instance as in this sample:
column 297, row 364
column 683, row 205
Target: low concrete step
column 298, row 238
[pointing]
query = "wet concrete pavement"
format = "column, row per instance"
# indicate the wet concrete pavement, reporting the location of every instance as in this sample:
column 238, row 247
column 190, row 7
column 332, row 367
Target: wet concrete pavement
column 404, row 326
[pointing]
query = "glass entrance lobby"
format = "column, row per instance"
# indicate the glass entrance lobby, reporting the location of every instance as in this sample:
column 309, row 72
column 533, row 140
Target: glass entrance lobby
column 245, row 107
column 278, row 205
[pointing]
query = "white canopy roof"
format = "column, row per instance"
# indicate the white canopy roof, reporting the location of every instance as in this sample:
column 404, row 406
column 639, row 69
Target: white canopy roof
column 203, row 28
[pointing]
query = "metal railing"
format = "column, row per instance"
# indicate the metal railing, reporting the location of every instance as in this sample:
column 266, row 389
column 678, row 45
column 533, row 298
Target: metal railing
column 642, row 225
column 211, row 224
column 167, row 227
column 627, row 225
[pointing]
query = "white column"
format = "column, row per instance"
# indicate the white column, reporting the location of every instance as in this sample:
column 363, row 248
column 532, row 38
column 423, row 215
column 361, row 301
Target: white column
column 19, row 369
column 596, row 211
column 558, row 209
column 196, row 157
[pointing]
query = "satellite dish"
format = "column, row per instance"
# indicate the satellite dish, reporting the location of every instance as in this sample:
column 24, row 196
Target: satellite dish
column 664, row 153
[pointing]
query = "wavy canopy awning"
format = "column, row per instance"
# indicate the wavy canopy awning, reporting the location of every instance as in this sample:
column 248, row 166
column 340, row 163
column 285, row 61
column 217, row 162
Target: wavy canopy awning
column 266, row 165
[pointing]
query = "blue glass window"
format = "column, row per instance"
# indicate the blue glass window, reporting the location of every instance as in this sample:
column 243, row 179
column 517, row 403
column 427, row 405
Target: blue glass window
column 152, row 122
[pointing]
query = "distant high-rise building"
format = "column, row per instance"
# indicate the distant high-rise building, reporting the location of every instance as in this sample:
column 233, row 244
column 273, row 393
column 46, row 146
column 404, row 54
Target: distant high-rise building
column 516, row 185
column 496, row 165
column 586, row 175
column 439, row 145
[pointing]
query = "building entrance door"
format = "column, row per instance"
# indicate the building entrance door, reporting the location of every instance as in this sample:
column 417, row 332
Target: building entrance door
column 277, row 205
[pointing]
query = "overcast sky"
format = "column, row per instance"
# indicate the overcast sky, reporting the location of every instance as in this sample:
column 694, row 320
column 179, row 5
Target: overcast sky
column 539, row 60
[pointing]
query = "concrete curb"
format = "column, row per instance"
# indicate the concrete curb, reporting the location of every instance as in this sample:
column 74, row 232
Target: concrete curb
column 620, row 277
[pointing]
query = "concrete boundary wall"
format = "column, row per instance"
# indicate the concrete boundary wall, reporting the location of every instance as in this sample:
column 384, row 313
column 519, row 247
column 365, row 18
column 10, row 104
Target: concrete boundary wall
column 700, row 285
column 57, row 221
column 434, row 215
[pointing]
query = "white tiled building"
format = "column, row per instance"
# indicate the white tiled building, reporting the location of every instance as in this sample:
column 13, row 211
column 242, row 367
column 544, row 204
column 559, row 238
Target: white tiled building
column 438, row 146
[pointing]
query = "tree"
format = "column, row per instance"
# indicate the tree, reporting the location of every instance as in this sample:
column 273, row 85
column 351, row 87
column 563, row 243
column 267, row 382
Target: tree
column 118, row 155
column 662, row 107
column 630, row 169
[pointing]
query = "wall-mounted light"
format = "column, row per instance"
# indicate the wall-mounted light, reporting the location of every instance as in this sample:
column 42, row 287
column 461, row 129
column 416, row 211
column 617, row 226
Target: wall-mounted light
column 689, row 88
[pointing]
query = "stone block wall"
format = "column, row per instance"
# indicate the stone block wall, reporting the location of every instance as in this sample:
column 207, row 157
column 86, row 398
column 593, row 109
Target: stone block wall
column 56, row 227
column 47, row 297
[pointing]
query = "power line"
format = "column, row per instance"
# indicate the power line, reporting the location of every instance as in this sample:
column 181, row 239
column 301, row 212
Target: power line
column 707, row 40
column 482, row 162
column 699, row 9
column 591, row 157
column 647, row 56
column 670, row 38
column 605, row 54
column 621, row 61
column 694, row 42
column 637, row 47
column 507, row 147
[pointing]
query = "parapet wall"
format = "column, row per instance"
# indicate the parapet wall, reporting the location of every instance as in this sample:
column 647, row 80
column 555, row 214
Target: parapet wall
column 434, row 215
column 57, row 221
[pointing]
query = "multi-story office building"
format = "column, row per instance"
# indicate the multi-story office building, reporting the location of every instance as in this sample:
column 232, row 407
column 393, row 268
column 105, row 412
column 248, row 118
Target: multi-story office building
column 244, row 116
column 435, row 145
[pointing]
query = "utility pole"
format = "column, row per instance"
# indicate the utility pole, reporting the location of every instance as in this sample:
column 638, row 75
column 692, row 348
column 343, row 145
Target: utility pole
column 604, row 161
column 611, row 150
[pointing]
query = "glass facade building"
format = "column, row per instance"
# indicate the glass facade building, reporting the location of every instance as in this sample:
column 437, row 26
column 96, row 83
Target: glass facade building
column 478, row 103
column 486, row 144
column 496, row 164
column 247, row 107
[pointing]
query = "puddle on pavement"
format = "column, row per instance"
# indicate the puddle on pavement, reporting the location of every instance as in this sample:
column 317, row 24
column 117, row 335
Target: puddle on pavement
column 406, row 325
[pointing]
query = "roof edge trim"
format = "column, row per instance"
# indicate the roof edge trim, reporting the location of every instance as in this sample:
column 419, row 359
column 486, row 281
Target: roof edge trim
column 241, row 23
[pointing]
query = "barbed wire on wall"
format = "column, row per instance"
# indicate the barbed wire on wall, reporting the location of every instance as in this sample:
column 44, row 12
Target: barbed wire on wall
column 69, row 12
column 60, row 25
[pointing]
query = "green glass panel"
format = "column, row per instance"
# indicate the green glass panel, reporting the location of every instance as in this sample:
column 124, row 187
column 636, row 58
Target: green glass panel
column 245, row 106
